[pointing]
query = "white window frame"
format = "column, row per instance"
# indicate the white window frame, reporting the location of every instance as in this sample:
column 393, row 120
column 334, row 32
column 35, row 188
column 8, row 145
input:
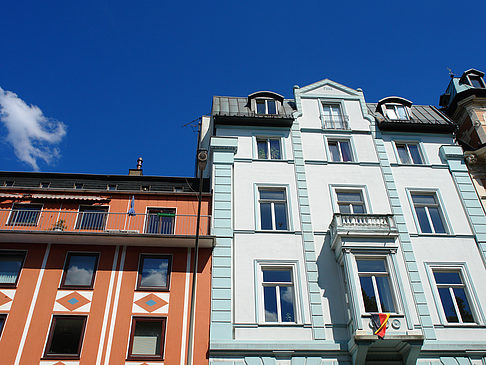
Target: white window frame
column 407, row 144
column 350, row 203
column 260, row 299
column 272, row 210
column 392, row 280
column 78, row 216
column 394, row 105
column 23, row 224
column 145, row 219
column 439, row 205
column 265, row 100
column 334, row 189
column 339, row 140
column 344, row 117
column 481, row 81
column 471, row 293
column 267, row 140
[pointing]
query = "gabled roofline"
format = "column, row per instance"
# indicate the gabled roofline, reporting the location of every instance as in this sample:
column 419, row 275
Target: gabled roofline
column 337, row 85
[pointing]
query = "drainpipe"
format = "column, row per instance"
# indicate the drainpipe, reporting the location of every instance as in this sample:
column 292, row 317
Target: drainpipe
column 202, row 159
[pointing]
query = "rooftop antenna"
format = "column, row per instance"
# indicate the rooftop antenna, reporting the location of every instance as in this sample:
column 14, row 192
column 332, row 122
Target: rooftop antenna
column 194, row 124
column 451, row 74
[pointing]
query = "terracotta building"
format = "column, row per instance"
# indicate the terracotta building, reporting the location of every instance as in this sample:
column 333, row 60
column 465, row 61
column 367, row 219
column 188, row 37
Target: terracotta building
column 97, row 269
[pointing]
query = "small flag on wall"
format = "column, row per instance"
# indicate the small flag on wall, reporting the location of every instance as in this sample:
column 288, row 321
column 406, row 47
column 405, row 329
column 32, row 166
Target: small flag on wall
column 379, row 321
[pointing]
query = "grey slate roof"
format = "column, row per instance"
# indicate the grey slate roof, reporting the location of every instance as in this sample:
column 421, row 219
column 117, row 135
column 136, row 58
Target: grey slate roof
column 423, row 117
column 238, row 106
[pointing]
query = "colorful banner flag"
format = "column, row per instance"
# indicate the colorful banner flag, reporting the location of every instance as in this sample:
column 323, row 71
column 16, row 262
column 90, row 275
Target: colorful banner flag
column 379, row 321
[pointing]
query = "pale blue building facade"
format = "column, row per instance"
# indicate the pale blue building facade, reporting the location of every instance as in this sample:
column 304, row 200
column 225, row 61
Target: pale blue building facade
column 328, row 209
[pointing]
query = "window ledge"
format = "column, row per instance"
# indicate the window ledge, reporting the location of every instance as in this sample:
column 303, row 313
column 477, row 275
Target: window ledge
column 274, row 231
column 459, row 325
column 281, row 324
column 432, row 234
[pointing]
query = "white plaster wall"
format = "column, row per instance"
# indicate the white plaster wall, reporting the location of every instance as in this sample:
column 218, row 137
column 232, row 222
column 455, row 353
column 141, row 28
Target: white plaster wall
column 261, row 172
column 321, row 177
column 439, row 250
column 418, row 178
column 277, row 247
column 246, row 140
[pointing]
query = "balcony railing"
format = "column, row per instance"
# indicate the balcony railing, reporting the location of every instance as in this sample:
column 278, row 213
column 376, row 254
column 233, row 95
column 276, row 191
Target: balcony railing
column 361, row 224
column 97, row 221
column 336, row 122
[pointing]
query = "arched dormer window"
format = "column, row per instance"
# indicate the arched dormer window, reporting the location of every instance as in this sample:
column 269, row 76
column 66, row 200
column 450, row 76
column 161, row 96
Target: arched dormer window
column 473, row 78
column 395, row 108
column 265, row 102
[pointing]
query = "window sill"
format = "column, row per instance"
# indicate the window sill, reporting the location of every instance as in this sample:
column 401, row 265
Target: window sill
column 90, row 288
column 344, row 162
column 274, row 231
column 145, row 358
column 8, row 286
column 147, row 290
column 459, row 325
column 61, row 357
column 281, row 324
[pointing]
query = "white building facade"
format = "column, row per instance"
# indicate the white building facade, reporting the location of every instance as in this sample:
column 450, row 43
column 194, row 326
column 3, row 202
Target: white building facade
column 328, row 209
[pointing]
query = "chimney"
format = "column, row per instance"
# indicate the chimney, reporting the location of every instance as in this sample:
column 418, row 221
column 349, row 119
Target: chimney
column 138, row 171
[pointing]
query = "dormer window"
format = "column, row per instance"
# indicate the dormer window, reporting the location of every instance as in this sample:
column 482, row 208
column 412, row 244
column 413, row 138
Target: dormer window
column 265, row 103
column 476, row 81
column 396, row 112
column 266, row 106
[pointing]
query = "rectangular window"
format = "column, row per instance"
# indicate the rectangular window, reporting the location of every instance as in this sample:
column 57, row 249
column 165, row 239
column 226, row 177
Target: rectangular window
column 278, row 294
column 92, row 217
column 409, row 153
column 453, row 296
column 333, row 117
column 78, row 186
column 269, row 149
column 340, row 151
column 24, row 215
column 428, row 213
column 396, row 112
column 154, row 272
column 3, row 319
column 111, row 187
column 273, row 209
column 160, row 220
column 11, row 263
column 147, row 338
column 266, row 106
column 65, row 337
column 375, row 285
column 79, row 270
column 351, row 202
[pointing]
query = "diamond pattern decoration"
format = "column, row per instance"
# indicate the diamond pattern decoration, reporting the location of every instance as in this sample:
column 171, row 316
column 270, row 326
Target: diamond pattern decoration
column 4, row 299
column 151, row 302
column 59, row 363
column 73, row 301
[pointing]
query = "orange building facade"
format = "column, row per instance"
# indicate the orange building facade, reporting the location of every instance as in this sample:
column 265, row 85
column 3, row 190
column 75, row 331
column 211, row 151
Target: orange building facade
column 97, row 269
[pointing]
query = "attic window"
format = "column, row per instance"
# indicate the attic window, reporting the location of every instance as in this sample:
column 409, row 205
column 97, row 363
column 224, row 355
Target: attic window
column 266, row 106
column 9, row 183
column 396, row 112
column 111, row 187
column 78, row 186
column 476, row 81
column 45, row 185
column 145, row 187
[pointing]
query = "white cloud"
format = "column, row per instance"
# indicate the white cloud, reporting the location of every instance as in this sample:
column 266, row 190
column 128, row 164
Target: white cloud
column 78, row 276
column 31, row 134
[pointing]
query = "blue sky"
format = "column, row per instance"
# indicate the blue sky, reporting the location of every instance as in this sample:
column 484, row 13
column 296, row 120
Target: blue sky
column 115, row 80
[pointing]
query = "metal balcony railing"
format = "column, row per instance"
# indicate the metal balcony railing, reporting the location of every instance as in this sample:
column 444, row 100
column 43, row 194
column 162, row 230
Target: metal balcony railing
column 336, row 122
column 99, row 221
column 379, row 224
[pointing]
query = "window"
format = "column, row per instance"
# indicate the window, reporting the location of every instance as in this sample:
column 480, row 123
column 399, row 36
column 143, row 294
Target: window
column 9, row 183
column 269, row 149
column 273, row 209
column 278, row 294
column 428, row 213
column 11, row 263
column 147, row 338
column 409, row 153
column 333, row 117
column 266, row 106
column 340, row 151
column 24, row 215
column 396, row 112
column 145, row 188
column 45, row 185
column 476, row 81
column 453, row 296
column 350, row 202
column 3, row 319
column 65, row 337
column 78, row 186
column 92, row 217
column 111, row 187
column 375, row 285
column 154, row 272
column 160, row 221
column 79, row 270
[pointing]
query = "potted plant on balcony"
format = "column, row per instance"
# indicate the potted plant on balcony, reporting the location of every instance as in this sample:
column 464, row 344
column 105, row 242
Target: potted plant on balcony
column 60, row 225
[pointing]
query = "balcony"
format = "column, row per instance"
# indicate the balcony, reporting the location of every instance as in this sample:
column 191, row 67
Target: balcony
column 361, row 225
column 159, row 227
column 340, row 122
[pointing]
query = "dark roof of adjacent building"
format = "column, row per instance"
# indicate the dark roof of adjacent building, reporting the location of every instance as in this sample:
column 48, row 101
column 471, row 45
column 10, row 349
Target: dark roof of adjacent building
column 423, row 118
column 93, row 182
